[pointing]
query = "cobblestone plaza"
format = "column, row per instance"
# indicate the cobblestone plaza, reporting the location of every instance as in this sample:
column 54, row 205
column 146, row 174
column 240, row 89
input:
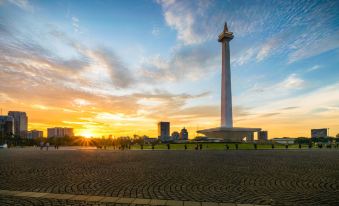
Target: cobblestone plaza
column 87, row 177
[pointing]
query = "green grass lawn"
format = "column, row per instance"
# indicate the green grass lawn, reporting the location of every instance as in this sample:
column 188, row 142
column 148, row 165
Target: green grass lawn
column 217, row 146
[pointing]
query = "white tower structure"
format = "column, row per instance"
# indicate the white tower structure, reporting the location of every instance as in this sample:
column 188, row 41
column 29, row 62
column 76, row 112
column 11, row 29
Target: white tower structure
column 226, row 90
column 226, row 130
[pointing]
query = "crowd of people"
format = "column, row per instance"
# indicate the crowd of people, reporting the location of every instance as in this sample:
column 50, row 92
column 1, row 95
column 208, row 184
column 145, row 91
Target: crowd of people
column 42, row 145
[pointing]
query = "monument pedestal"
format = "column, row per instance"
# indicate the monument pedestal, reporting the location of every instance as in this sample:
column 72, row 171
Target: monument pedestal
column 231, row 134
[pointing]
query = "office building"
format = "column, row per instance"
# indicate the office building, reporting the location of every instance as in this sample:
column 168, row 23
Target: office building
column 316, row 133
column 33, row 134
column 283, row 140
column 262, row 136
column 20, row 123
column 60, row 132
column 184, row 134
column 175, row 135
column 164, row 131
column 6, row 127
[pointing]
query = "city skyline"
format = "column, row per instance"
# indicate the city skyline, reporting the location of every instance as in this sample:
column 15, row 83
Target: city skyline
column 128, row 65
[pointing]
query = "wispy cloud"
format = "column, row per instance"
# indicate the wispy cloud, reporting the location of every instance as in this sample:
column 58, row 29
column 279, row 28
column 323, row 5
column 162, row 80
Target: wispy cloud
column 313, row 68
column 183, row 16
column 75, row 24
column 314, row 48
column 23, row 4
column 190, row 63
column 266, row 92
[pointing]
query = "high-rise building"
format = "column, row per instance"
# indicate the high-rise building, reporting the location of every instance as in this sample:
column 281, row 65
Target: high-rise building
column 6, row 127
column 175, row 135
column 164, row 131
column 319, row 133
column 262, row 136
column 184, row 134
column 60, row 132
column 20, row 123
column 33, row 134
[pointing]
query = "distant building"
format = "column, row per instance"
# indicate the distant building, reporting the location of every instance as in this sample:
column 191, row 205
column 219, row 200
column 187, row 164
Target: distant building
column 207, row 139
column 262, row 136
column 184, row 134
column 33, row 134
column 319, row 133
column 164, row 131
column 6, row 127
column 150, row 140
column 20, row 123
column 283, row 140
column 60, row 132
column 175, row 135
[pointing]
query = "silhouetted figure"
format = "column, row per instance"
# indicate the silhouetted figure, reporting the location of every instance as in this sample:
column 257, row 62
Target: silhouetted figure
column 47, row 146
column 142, row 146
column 227, row 147
column 152, row 146
column 309, row 145
column 200, row 146
column 236, row 146
column 185, row 147
column 168, row 146
column 41, row 145
column 255, row 146
column 299, row 146
column 272, row 146
column 286, row 146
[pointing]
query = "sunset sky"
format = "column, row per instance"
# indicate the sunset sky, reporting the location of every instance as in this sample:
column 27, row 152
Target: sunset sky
column 119, row 67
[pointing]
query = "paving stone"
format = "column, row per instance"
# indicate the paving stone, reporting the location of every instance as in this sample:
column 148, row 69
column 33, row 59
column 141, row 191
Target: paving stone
column 174, row 203
column 209, row 204
column 227, row 204
column 138, row 201
column 125, row 200
column 51, row 195
column 109, row 199
column 24, row 194
column 95, row 198
column 38, row 194
column 157, row 202
column 8, row 192
column 63, row 196
column 79, row 197
column 191, row 203
column 207, row 176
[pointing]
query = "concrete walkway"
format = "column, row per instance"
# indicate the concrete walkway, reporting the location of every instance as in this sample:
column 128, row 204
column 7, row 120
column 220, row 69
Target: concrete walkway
column 106, row 199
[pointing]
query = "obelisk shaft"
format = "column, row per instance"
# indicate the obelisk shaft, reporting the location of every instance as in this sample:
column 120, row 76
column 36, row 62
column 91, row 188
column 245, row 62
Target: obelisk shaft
column 226, row 91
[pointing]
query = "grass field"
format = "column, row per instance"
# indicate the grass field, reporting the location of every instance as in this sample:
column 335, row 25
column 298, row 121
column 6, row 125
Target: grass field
column 218, row 146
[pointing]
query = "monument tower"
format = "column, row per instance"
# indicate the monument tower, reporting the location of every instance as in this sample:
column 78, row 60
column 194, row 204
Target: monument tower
column 226, row 129
column 226, row 90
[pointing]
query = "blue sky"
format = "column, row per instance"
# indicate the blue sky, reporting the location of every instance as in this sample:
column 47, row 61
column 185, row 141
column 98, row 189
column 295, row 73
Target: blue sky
column 118, row 67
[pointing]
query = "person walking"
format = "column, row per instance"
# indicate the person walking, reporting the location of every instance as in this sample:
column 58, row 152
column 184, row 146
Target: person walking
column 41, row 145
column 47, row 145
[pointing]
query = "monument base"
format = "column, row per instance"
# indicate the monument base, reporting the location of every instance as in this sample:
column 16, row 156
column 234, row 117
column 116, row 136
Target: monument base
column 231, row 134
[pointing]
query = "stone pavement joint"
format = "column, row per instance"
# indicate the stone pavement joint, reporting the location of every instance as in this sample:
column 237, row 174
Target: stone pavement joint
column 118, row 200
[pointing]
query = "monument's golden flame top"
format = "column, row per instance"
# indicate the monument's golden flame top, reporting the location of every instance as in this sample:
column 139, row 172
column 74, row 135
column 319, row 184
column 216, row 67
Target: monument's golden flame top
column 225, row 35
